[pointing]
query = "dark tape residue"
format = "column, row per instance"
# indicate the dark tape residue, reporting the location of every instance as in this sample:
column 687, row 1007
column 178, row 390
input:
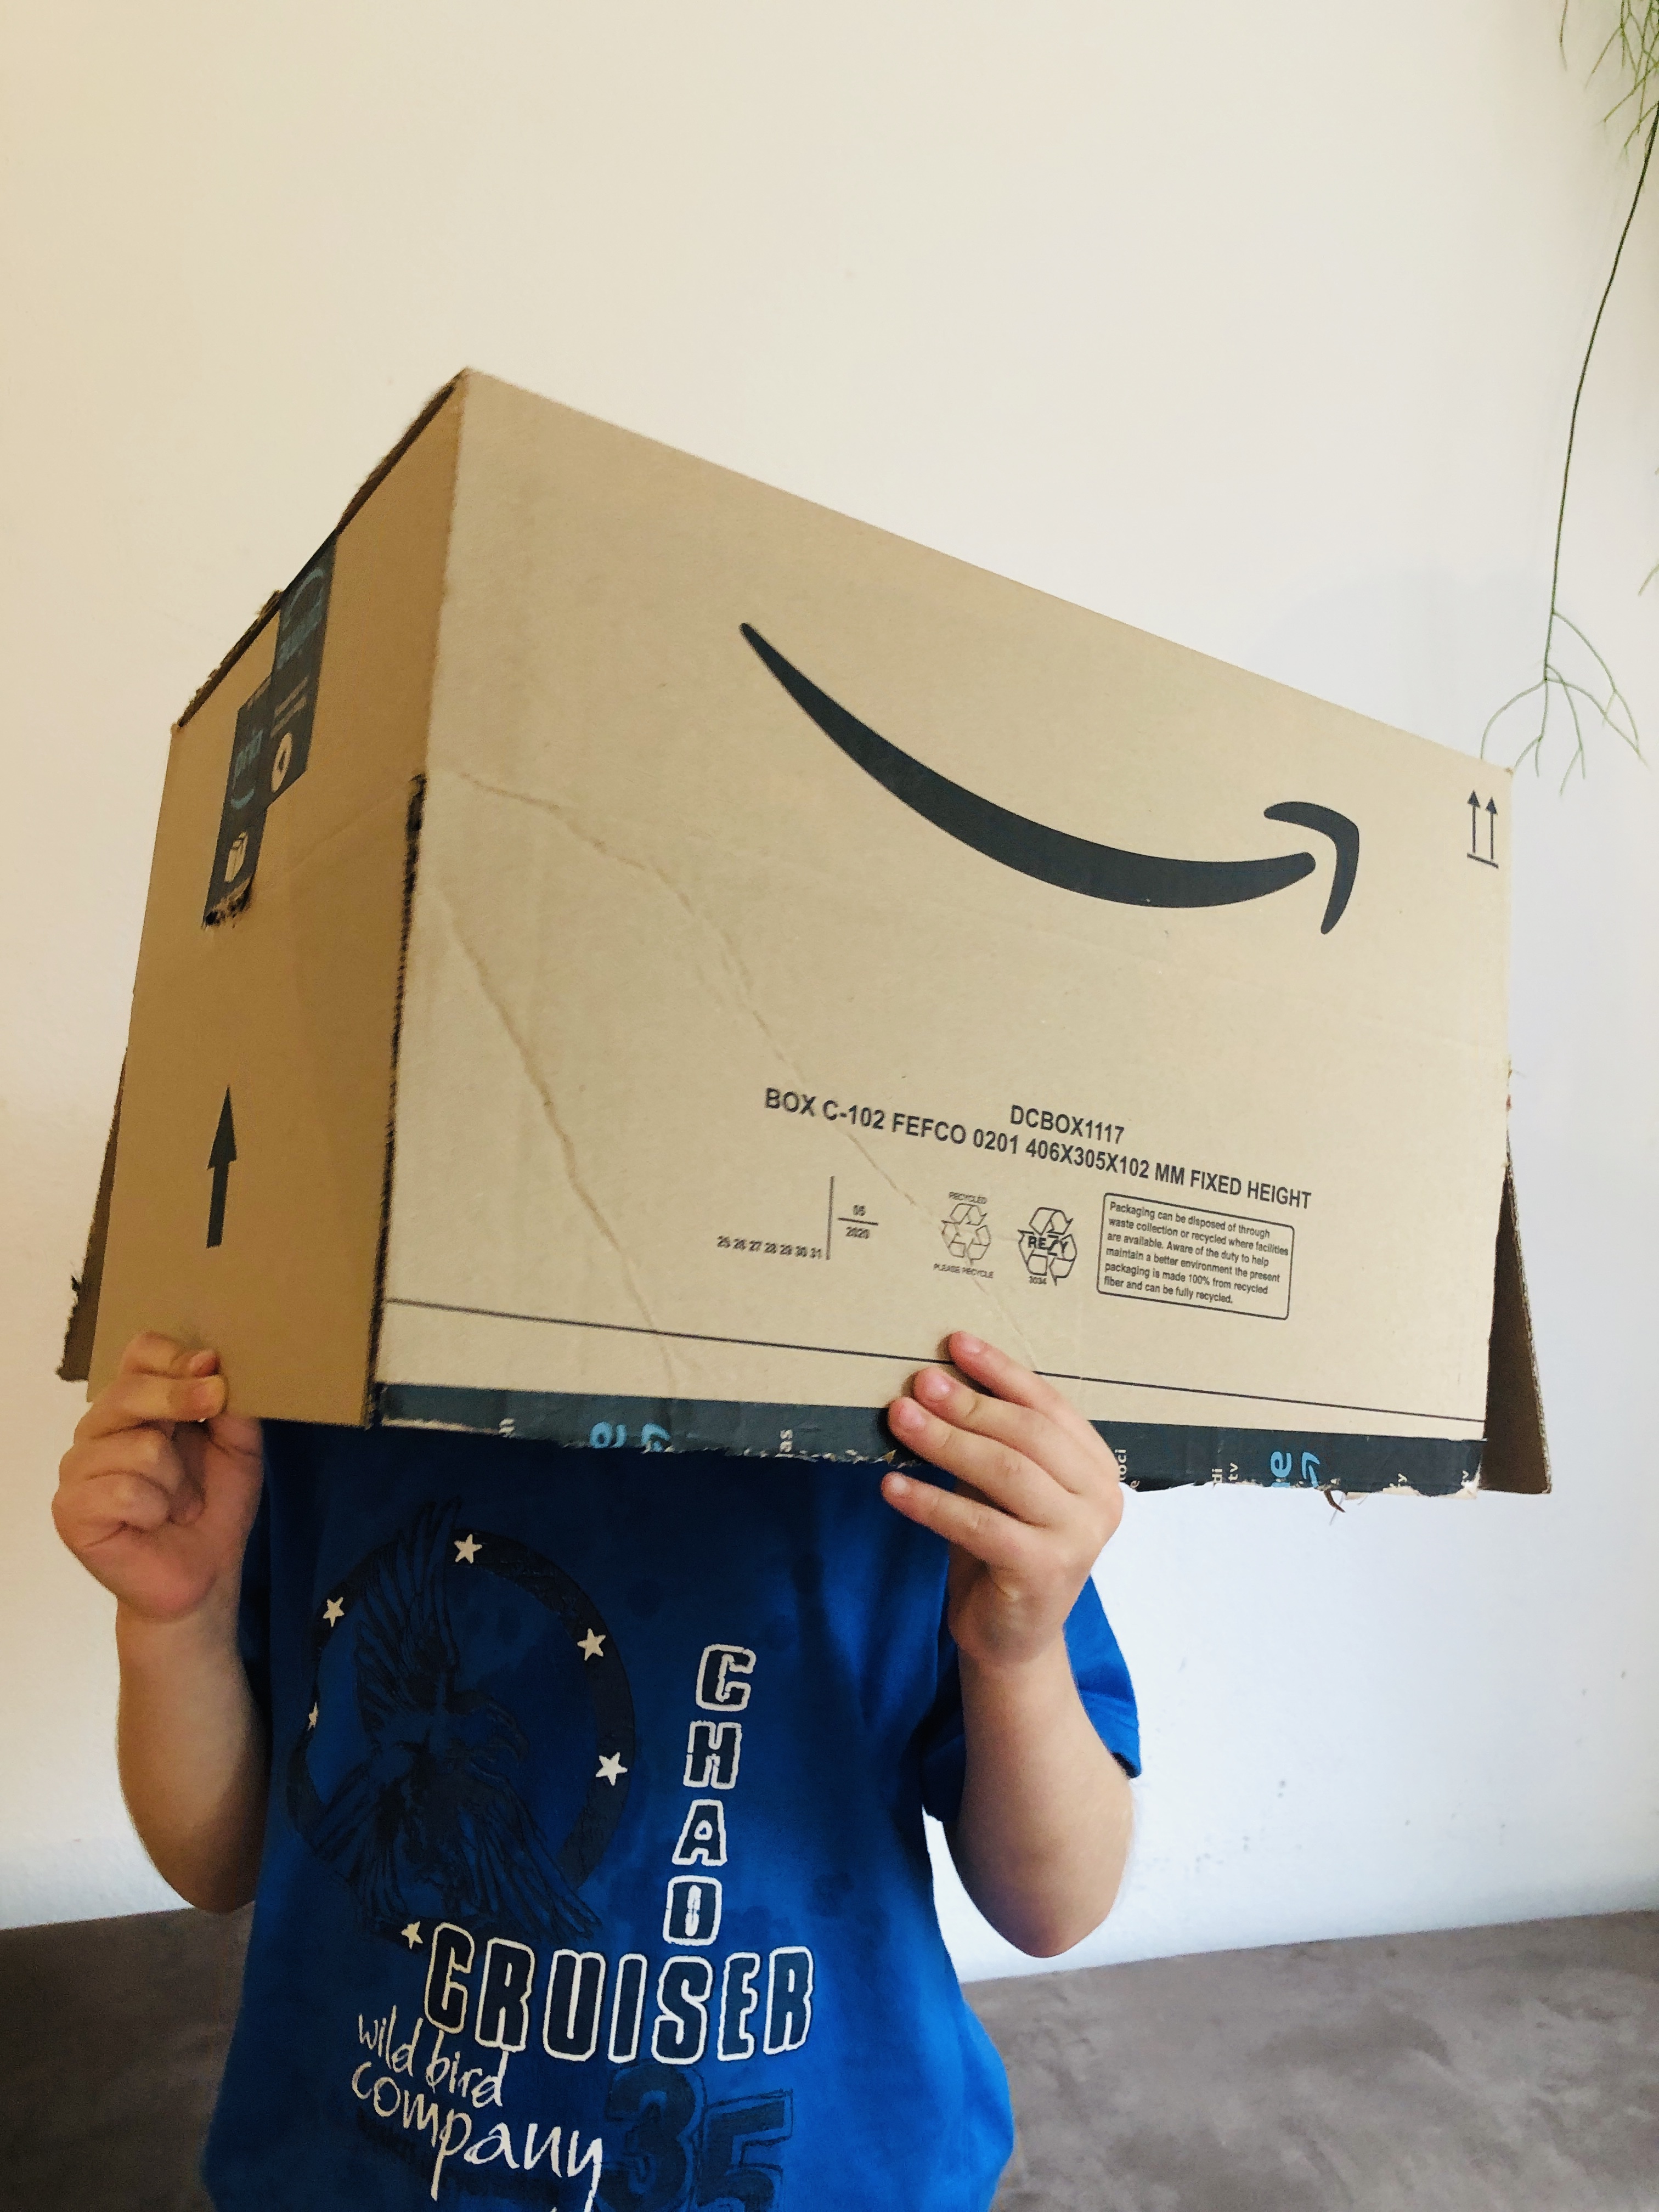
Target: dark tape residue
column 1153, row 1456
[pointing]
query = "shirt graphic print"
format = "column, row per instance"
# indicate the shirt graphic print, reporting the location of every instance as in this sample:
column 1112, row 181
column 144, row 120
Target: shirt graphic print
column 595, row 1873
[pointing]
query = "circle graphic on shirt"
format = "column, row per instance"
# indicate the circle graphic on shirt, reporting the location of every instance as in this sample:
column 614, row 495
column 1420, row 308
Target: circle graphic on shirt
column 467, row 1705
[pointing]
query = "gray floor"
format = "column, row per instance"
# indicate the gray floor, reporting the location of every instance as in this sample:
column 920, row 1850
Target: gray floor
column 1500, row 2069
column 1493, row 2069
column 112, row 2035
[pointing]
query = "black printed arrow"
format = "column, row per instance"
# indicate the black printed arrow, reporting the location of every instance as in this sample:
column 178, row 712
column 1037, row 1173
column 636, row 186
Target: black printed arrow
column 1489, row 858
column 219, row 1159
column 1054, row 856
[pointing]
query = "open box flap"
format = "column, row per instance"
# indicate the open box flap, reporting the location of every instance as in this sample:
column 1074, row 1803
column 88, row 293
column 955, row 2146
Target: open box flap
column 247, row 1204
column 1516, row 1454
column 76, row 1364
column 370, row 483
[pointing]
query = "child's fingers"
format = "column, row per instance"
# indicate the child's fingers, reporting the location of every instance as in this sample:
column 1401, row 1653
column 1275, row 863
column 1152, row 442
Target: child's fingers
column 102, row 1508
column 151, row 1353
column 144, row 1453
column 1007, row 1379
column 1017, row 1485
column 995, row 1539
column 1057, row 1450
column 139, row 1397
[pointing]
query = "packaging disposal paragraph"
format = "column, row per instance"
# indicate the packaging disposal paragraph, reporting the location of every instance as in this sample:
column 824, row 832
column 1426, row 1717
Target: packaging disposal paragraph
column 1185, row 1255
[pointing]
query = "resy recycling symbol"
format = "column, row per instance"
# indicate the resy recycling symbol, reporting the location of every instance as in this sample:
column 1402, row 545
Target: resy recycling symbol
column 966, row 1232
column 1047, row 1246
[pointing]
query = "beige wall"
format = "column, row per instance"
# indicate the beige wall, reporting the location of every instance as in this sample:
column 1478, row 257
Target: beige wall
column 1256, row 326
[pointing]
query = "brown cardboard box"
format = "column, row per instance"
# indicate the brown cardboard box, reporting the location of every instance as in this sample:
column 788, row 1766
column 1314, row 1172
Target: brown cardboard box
column 634, row 957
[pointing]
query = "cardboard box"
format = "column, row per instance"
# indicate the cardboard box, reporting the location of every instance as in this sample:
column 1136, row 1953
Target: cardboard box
column 634, row 957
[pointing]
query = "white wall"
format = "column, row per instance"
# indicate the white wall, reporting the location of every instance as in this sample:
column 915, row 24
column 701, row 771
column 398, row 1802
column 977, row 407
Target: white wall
column 1256, row 326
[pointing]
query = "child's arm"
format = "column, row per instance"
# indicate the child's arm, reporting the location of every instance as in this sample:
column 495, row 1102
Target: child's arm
column 1044, row 1828
column 155, row 1497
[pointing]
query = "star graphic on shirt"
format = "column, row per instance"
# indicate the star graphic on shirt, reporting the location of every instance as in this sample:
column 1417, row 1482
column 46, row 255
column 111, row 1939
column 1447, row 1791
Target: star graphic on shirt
column 467, row 1547
column 411, row 1934
column 590, row 1645
column 333, row 1610
column 311, row 1717
column 610, row 1769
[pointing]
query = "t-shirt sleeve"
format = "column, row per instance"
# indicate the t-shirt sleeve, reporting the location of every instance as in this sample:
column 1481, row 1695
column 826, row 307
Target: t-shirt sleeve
column 1103, row 1683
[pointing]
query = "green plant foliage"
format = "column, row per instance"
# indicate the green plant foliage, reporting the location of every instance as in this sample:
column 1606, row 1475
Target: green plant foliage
column 1573, row 674
column 1634, row 41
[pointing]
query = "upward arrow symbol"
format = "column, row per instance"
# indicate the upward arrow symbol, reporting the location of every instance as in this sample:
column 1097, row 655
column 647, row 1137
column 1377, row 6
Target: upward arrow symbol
column 1489, row 858
column 219, row 1159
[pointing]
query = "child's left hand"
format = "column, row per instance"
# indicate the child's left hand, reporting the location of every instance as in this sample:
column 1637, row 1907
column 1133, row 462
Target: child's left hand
column 1038, row 1497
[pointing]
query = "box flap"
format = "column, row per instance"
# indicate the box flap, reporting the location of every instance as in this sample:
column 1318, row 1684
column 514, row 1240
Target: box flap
column 389, row 460
column 76, row 1364
column 248, row 1205
column 370, row 483
column 1516, row 1454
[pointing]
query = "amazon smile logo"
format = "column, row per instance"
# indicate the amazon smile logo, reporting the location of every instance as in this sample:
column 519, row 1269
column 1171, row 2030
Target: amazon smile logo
column 1054, row 856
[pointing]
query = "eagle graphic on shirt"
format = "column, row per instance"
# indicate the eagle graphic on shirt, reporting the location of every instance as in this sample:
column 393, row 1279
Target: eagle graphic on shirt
column 433, row 1810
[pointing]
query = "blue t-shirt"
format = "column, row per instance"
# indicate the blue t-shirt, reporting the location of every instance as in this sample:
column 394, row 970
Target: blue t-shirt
column 594, row 1871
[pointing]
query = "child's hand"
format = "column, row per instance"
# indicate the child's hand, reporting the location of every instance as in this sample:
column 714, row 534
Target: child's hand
column 1038, row 1497
column 157, row 1493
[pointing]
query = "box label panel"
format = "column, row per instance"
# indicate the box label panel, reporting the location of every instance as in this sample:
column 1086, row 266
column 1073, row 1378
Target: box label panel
column 271, row 748
column 1187, row 1255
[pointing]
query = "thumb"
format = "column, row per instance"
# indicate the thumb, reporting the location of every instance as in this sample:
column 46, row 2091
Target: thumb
column 238, row 1434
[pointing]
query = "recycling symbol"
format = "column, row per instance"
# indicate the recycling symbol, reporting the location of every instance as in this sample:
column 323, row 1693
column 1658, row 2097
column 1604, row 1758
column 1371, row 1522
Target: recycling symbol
column 1047, row 1246
column 966, row 1233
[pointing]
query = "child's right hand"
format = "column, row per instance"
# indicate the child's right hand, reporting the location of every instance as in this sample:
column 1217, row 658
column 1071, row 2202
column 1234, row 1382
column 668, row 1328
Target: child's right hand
column 157, row 1493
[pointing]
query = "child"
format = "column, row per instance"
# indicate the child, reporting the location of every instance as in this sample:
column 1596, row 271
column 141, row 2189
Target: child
column 582, row 1797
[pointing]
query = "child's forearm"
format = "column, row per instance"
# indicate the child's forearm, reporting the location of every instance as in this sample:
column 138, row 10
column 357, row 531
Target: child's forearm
column 192, row 1753
column 1046, row 1819
column 1044, row 1827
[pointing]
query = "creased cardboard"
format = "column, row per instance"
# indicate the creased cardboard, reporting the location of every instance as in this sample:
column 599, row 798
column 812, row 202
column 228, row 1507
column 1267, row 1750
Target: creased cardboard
column 714, row 948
